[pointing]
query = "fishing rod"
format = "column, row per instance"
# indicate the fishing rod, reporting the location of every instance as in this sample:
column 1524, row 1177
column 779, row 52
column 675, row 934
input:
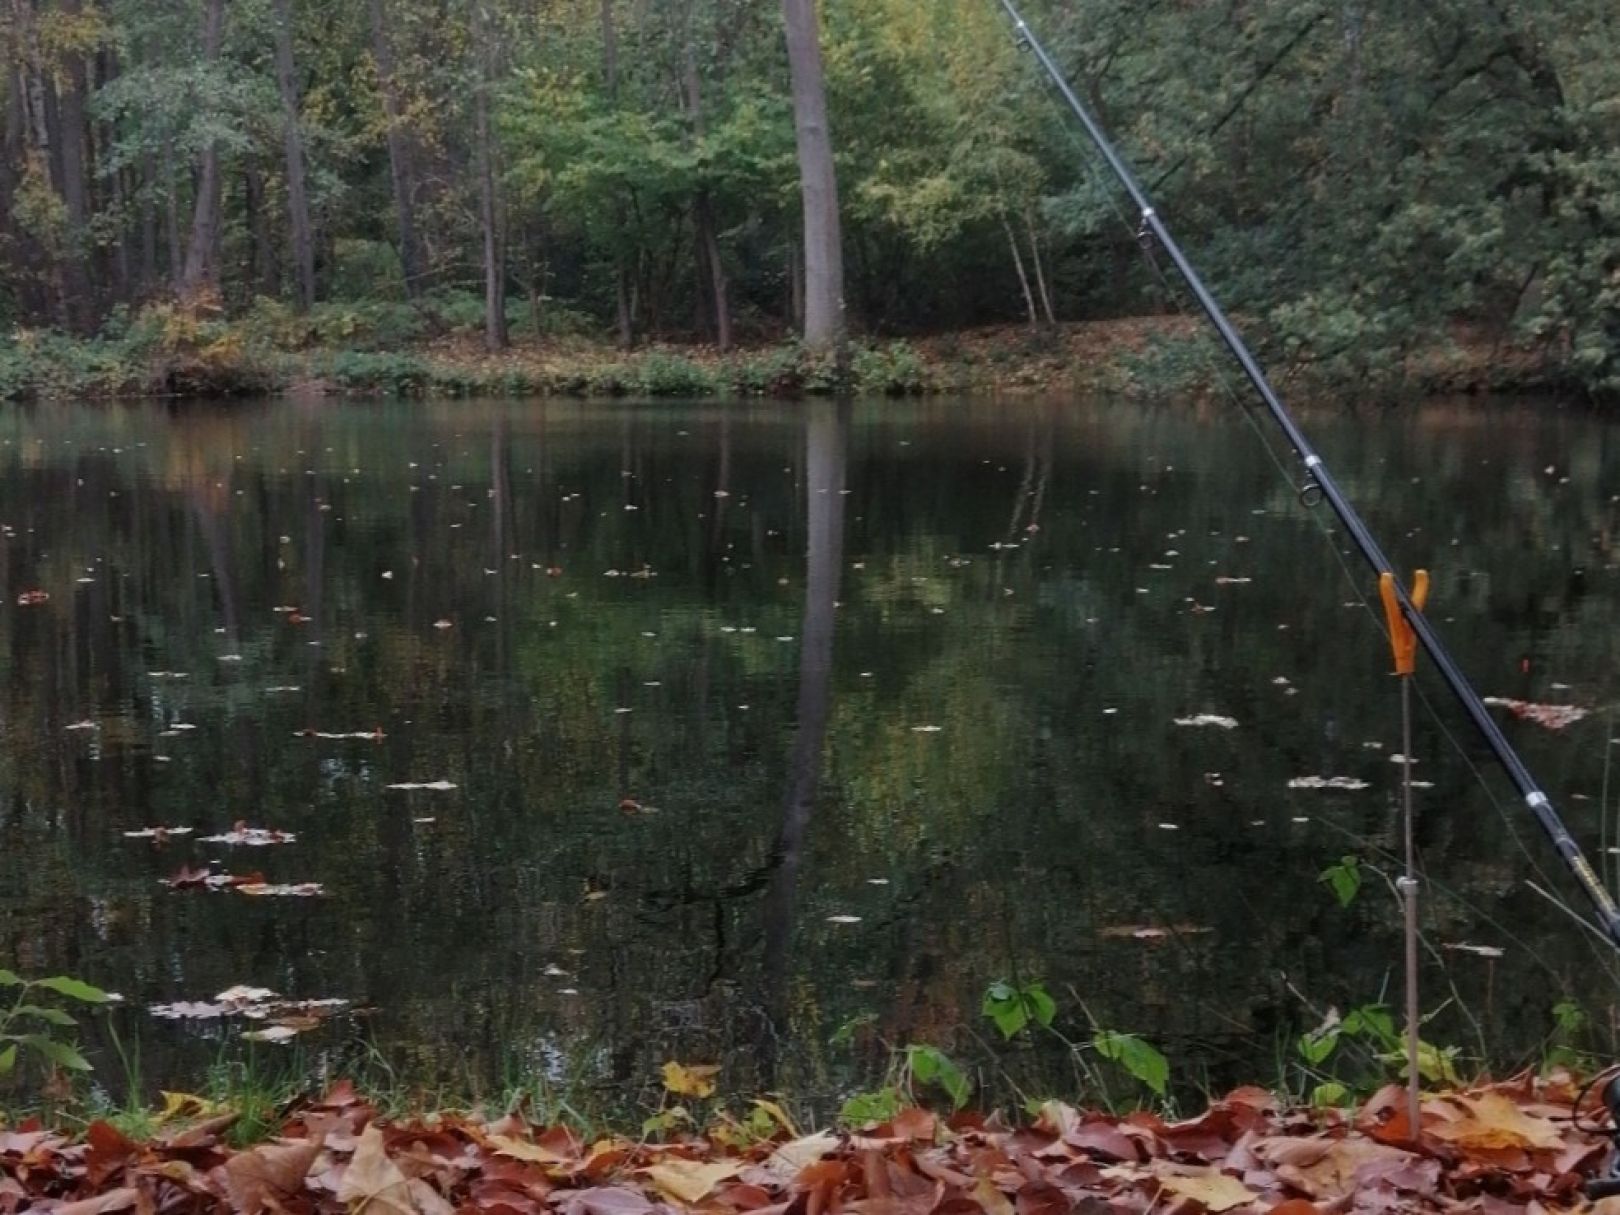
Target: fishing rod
column 1321, row 485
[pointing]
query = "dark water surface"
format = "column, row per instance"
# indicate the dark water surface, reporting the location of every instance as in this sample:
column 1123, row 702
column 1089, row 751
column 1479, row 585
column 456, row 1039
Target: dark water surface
column 711, row 683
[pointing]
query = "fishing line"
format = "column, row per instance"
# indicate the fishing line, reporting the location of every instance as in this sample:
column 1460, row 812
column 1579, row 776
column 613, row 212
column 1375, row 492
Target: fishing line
column 1203, row 344
column 1322, row 481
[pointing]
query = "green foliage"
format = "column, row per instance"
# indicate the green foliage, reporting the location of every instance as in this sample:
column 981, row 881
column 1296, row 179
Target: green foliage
column 1012, row 1007
column 27, row 1026
column 1138, row 1057
column 929, row 1065
column 877, row 1105
column 1344, row 879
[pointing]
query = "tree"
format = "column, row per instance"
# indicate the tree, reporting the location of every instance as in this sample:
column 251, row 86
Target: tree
column 824, row 323
column 202, row 253
column 489, row 203
column 303, row 237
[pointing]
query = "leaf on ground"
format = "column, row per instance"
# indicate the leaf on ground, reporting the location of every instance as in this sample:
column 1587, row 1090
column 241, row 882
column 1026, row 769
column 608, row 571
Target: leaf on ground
column 606, row 1200
column 523, row 1149
column 260, row 1179
column 1211, row 1188
column 1492, row 1122
column 689, row 1181
column 373, row 1183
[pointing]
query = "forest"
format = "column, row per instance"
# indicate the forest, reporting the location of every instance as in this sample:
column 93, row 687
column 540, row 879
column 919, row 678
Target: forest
column 1364, row 181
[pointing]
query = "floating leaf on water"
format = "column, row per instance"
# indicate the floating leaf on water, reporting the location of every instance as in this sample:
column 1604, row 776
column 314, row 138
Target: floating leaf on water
column 292, row 890
column 926, row 729
column 241, row 835
column 157, row 834
column 1223, row 580
column 271, row 1033
column 1208, row 719
column 443, row 624
column 375, row 735
column 33, row 598
column 1327, row 782
column 843, row 919
column 1553, row 717
column 86, row 724
column 1479, row 951
column 437, row 786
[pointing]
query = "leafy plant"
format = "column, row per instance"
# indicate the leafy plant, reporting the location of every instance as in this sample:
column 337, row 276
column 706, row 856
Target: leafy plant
column 1344, row 879
column 29, row 1025
column 1137, row 1056
column 929, row 1065
column 877, row 1105
column 1012, row 1007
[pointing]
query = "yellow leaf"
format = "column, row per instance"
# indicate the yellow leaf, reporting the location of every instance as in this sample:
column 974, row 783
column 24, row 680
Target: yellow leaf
column 690, row 1080
column 1494, row 1122
column 522, row 1149
column 1212, row 1189
column 185, row 1105
column 689, row 1180
column 778, row 1115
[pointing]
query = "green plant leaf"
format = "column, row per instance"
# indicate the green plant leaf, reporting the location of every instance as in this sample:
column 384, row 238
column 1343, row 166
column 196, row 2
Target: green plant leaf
column 1318, row 1045
column 59, row 1053
column 9, row 978
column 73, row 989
column 879, row 1105
column 1012, row 1008
column 1331, row 1093
column 54, row 1015
column 8, row 1059
column 1344, row 878
column 933, row 1066
column 1374, row 1021
column 1139, row 1058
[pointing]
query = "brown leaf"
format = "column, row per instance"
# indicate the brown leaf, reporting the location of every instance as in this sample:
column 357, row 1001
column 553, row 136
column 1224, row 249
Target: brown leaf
column 1492, row 1121
column 606, row 1200
column 1209, row 1187
column 689, row 1181
column 259, row 1179
column 120, row 1199
column 372, row 1183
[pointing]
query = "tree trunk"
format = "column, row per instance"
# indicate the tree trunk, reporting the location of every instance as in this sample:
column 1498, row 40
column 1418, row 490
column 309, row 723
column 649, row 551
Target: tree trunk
column 1023, row 278
column 489, row 206
column 818, row 180
column 202, row 263
column 1040, row 272
column 263, row 271
column 303, row 237
column 621, row 275
column 703, row 215
column 149, row 223
column 171, row 223
column 400, row 168
column 75, row 184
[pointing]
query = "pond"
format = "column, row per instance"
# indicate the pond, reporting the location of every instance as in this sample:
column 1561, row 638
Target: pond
column 741, row 725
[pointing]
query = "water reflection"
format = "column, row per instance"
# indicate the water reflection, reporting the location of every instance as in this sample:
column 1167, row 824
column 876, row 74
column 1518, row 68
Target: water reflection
column 762, row 719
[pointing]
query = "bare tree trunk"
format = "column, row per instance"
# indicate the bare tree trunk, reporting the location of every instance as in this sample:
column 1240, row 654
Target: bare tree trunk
column 1040, row 273
column 824, row 323
column 1023, row 278
column 400, row 167
column 303, row 237
column 621, row 274
column 202, row 263
column 795, row 286
column 703, row 214
column 171, row 223
column 149, row 223
column 75, row 184
column 489, row 206
column 263, row 270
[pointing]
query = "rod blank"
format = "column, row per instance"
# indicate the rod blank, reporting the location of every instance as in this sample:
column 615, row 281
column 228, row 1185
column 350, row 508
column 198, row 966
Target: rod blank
column 1534, row 797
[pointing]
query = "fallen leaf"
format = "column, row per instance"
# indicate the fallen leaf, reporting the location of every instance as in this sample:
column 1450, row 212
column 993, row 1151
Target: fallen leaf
column 266, row 1175
column 689, row 1180
column 373, row 1184
column 1211, row 1188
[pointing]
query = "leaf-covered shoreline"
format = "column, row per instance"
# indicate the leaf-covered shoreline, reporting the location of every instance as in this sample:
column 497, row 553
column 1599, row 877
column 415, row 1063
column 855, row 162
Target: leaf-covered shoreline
column 1500, row 1148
